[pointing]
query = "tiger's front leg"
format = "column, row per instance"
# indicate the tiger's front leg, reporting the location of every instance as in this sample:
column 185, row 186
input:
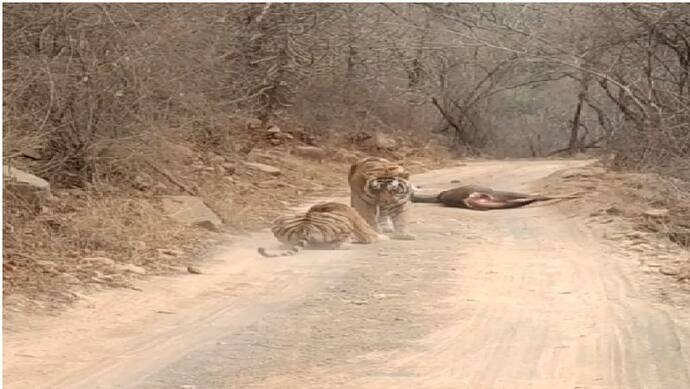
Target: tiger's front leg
column 366, row 211
column 385, row 224
column 400, row 224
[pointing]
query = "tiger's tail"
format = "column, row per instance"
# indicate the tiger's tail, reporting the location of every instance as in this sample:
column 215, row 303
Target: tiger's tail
column 294, row 250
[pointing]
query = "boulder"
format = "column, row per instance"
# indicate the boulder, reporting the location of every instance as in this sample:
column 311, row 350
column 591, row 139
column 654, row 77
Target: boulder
column 273, row 130
column 191, row 210
column 142, row 181
column 656, row 213
column 100, row 261
column 274, row 171
column 128, row 267
column 381, row 141
column 254, row 124
column 31, row 188
column 311, row 152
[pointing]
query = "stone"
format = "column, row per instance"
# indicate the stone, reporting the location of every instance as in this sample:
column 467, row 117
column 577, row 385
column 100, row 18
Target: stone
column 216, row 160
column 142, row 181
column 191, row 210
column 193, row 270
column 101, row 261
column 656, row 213
column 138, row 245
column 31, row 154
column 170, row 252
column 230, row 168
column 46, row 263
column 254, row 124
column 159, row 188
column 32, row 188
column 219, row 170
column 128, row 267
column 274, row 171
column 273, row 130
column 381, row 141
column 209, row 225
column 311, row 152
column 69, row 279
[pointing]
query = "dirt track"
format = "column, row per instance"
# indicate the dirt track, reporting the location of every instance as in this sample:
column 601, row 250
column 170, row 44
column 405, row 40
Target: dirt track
column 523, row 298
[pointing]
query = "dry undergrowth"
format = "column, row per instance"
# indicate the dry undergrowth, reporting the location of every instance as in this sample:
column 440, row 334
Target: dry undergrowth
column 652, row 212
column 107, row 234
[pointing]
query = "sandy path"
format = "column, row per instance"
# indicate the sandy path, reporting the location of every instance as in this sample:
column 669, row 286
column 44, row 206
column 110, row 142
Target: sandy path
column 523, row 298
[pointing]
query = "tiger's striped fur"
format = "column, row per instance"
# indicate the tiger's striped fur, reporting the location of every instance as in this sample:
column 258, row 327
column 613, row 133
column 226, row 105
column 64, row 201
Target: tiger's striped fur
column 380, row 190
column 325, row 225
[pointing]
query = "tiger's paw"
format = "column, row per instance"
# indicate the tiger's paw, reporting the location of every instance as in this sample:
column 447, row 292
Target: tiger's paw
column 382, row 237
column 404, row 236
column 386, row 228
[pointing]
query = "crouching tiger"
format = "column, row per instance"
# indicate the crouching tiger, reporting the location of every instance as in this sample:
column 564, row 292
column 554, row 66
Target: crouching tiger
column 325, row 225
column 380, row 192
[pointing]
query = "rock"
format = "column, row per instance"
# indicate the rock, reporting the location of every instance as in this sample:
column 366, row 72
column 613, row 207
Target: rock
column 613, row 211
column 381, row 141
column 311, row 152
column 254, row 123
column 270, row 184
column 660, row 212
column 128, row 267
column 209, row 225
column 285, row 135
column 230, row 168
column 275, row 142
column 181, row 152
column 229, row 180
column 263, row 168
column 138, row 245
column 170, row 252
column 142, row 181
column 668, row 271
column 193, row 270
column 100, row 261
column 49, row 267
column 69, row 279
column 159, row 188
column 31, row 188
column 273, row 130
column 216, row 160
column 31, row 154
column 190, row 210
column 219, row 170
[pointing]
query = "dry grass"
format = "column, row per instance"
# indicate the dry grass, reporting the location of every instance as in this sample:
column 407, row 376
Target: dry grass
column 627, row 198
column 46, row 248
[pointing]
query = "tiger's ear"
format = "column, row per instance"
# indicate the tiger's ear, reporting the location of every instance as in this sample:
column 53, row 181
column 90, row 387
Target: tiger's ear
column 353, row 167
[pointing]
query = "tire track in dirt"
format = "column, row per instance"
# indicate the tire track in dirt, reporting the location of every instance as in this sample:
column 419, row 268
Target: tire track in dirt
column 524, row 298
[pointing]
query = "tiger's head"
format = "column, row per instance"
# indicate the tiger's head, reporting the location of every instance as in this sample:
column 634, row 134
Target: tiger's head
column 389, row 189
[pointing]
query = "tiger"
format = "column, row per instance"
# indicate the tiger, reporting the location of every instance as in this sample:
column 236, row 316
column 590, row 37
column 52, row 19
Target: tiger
column 379, row 191
column 325, row 225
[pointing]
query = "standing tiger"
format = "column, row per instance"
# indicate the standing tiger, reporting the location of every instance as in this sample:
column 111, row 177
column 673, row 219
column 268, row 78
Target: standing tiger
column 380, row 190
column 324, row 225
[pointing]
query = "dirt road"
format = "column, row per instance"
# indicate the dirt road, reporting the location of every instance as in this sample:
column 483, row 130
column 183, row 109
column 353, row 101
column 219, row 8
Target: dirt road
column 524, row 298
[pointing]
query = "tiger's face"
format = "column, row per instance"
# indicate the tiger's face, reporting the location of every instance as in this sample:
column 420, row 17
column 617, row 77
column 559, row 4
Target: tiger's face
column 388, row 189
